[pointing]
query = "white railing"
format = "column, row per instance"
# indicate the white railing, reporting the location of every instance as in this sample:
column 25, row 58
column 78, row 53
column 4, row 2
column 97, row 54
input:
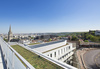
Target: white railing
column 59, row 63
column 13, row 59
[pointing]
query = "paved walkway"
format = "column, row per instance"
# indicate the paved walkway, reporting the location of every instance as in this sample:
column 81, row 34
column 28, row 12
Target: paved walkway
column 79, row 52
column 1, row 61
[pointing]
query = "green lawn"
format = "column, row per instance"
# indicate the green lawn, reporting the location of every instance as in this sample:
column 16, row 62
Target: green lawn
column 33, row 43
column 35, row 60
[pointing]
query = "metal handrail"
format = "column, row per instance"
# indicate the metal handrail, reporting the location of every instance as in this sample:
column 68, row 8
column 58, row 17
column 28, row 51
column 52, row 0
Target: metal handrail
column 63, row 65
column 28, row 65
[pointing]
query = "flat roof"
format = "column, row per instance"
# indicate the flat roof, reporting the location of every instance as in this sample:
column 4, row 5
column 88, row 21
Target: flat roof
column 48, row 46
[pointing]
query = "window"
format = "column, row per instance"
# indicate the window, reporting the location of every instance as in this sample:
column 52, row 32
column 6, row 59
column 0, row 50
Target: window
column 67, row 54
column 55, row 54
column 69, row 47
column 61, row 50
column 64, row 49
column 58, row 52
column 50, row 55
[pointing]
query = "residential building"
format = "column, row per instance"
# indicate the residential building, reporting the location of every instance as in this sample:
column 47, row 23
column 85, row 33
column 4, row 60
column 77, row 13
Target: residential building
column 97, row 32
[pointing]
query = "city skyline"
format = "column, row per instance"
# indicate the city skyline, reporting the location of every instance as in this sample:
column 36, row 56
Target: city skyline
column 49, row 16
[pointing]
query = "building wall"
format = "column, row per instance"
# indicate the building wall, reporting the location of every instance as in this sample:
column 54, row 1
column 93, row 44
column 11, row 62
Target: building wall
column 63, row 54
column 97, row 32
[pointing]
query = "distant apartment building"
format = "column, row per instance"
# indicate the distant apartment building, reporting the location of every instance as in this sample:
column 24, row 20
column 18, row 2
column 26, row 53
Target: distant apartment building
column 23, row 41
column 97, row 32
column 58, row 50
column 45, row 36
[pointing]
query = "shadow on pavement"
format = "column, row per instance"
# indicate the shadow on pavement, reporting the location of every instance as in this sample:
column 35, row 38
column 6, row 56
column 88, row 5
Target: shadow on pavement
column 93, row 67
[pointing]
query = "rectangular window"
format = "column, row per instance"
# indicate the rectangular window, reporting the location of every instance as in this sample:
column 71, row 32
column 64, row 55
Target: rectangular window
column 61, row 50
column 58, row 52
column 55, row 54
column 69, row 47
column 50, row 55
column 64, row 49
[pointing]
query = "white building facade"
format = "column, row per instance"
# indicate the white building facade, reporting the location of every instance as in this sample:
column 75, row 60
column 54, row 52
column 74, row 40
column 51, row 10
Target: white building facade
column 25, row 41
column 97, row 32
column 58, row 50
column 63, row 53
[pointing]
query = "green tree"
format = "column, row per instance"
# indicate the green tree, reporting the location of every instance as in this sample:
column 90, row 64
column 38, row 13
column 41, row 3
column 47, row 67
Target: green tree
column 94, row 39
column 74, row 38
column 50, row 39
column 86, row 41
column 99, row 39
column 89, row 36
column 32, row 37
column 6, row 40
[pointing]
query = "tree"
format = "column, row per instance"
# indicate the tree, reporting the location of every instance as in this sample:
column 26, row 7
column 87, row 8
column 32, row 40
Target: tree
column 99, row 39
column 74, row 38
column 93, row 32
column 32, row 37
column 89, row 36
column 94, row 39
column 86, row 41
column 6, row 40
column 50, row 39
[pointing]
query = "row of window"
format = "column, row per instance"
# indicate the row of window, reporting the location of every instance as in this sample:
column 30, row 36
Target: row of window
column 60, row 51
column 63, row 50
column 64, row 56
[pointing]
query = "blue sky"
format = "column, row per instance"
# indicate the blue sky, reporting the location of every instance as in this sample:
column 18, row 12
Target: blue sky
column 38, row 16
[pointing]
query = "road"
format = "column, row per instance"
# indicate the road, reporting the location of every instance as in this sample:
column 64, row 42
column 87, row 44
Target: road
column 92, row 59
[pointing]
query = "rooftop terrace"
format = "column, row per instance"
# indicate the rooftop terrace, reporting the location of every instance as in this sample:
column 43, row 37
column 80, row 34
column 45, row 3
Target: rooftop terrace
column 35, row 60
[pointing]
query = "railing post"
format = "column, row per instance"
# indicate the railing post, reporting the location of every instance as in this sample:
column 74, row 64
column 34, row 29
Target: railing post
column 27, row 67
column 7, row 61
column 12, row 60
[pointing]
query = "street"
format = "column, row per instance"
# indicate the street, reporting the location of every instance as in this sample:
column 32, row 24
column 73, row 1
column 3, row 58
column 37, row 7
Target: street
column 92, row 59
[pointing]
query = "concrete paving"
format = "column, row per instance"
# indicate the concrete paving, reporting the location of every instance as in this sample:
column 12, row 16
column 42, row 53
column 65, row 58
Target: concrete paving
column 91, row 60
column 1, row 61
column 80, row 53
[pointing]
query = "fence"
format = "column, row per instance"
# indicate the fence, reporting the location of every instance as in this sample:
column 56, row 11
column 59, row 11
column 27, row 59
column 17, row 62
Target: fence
column 13, row 60
column 59, row 63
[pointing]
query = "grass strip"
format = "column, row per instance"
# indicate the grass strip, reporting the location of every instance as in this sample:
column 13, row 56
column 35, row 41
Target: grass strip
column 35, row 60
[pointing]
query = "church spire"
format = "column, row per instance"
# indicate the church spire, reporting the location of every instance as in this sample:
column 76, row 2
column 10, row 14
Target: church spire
column 10, row 28
column 10, row 35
